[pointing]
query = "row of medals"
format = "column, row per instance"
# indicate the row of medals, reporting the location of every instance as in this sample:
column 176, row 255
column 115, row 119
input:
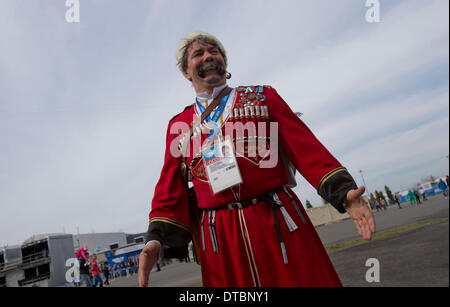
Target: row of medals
column 250, row 111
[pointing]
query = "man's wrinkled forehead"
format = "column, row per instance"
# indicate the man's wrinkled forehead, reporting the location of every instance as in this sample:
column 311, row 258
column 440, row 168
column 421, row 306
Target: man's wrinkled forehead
column 199, row 44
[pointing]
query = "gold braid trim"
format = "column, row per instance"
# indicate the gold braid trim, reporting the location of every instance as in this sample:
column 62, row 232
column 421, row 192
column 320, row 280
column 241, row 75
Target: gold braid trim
column 170, row 221
column 329, row 175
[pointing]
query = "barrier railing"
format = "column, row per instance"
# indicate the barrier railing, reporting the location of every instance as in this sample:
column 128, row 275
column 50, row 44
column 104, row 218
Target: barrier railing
column 33, row 258
column 33, row 279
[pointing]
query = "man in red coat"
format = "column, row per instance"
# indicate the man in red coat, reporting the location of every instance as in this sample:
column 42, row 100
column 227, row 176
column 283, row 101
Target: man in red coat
column 254, row 230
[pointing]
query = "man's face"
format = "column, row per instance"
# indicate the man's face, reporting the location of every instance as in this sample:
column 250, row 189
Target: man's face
column 206, row 66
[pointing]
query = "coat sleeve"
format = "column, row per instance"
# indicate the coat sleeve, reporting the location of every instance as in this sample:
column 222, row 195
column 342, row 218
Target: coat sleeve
column 308, row 155
column 169, row 216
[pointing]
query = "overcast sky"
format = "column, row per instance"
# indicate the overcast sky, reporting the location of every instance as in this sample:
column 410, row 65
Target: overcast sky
column 84, row 106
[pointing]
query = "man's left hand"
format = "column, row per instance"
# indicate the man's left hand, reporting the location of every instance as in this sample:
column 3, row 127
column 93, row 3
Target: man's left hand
column 360, row 213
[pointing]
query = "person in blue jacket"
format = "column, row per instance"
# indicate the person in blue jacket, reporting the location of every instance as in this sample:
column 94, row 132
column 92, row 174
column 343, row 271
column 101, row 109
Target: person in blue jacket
column 442, row 186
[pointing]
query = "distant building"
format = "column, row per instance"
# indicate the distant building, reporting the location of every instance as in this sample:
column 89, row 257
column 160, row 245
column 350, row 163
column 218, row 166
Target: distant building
column 136, row 238
column 10, row 255
column 40, row 262
column 428, row 188
column 98, row 242
column 10, row 258
column 123, row 254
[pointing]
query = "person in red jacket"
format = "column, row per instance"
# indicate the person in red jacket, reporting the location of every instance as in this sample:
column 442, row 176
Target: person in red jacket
column 252, row 228
column 96, row 274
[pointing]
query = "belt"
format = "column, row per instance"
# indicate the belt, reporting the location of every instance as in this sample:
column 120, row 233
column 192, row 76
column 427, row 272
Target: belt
column 273, row 200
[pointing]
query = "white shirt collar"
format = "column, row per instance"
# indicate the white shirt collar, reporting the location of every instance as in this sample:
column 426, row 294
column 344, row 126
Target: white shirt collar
column 203, row 97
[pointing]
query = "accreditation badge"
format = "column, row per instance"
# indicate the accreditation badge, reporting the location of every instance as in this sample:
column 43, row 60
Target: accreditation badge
column 221, row 165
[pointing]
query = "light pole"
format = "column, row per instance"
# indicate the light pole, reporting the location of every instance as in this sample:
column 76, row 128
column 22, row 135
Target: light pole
column 367, row 190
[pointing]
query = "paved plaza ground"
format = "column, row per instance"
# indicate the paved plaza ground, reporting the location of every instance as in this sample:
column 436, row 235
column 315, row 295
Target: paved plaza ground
column 415, row 257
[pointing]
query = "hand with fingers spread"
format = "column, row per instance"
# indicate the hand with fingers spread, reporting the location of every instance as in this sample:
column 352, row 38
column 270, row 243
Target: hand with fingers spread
column 147, row 259
column 360, row 213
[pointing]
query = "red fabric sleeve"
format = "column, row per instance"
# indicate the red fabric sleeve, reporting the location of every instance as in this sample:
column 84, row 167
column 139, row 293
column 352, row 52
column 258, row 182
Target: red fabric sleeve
column 170, row 202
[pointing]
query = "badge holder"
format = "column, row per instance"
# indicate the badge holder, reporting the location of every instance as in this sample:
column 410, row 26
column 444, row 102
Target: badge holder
column 220, row 163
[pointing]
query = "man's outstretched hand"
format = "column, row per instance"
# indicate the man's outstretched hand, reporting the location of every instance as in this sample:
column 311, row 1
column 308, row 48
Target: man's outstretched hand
column 360, row 213
column 147, row 260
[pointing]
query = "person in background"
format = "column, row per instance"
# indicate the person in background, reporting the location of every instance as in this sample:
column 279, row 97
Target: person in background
column 417, row 196
column 377, row 205
column 130, row 266
column 116, row 270
column 85, row 275
column 123, row 269
column 96, row 272
column 105, row 271
column 424, row 196
column 397, row 199
column 383, row 204
column 412, row 198
column 444, row 188
column 82, row 253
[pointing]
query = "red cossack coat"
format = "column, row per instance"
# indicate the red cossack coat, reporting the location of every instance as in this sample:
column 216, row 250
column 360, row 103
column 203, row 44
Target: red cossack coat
column 242, row 247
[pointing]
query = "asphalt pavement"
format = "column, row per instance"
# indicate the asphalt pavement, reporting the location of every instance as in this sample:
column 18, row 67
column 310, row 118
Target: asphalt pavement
column 414, row 258
column 393, row 217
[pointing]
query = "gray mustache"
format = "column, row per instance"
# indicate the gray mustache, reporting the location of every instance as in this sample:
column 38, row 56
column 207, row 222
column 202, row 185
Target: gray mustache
column 213, row 65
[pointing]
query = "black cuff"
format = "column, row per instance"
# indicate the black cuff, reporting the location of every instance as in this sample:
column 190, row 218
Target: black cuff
column 335, row 189
column 173, row 239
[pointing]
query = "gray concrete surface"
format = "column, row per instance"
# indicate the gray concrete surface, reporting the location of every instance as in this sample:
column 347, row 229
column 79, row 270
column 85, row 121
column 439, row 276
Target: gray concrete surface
column 173, row 275
column 393, row 217
column 417, row 257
